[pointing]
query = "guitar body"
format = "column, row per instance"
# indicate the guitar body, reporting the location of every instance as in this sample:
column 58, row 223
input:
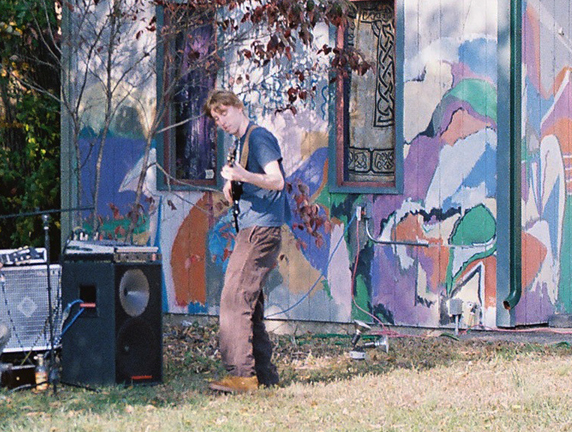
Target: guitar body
column 236, row 192
column 235, row 189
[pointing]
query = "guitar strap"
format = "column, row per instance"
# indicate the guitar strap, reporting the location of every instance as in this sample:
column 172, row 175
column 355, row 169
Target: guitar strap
column 244, row 152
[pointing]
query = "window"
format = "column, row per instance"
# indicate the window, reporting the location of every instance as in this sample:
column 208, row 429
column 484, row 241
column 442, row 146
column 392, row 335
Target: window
column 367, row 157
column 189, row 141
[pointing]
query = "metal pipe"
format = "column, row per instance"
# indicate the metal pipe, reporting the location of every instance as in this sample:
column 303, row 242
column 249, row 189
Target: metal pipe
column 392, row 242
column 513, row 297
column 515, row 250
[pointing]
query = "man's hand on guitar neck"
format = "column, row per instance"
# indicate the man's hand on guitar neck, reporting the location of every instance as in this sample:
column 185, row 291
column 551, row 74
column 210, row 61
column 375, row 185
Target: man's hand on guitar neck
column 234, row 172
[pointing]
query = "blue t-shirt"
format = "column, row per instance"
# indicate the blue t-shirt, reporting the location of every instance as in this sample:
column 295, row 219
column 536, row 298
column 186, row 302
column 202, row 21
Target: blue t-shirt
column 258, row 206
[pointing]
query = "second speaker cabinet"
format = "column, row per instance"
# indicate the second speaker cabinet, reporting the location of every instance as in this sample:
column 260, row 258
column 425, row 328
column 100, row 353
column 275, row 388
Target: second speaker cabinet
column 117, row 338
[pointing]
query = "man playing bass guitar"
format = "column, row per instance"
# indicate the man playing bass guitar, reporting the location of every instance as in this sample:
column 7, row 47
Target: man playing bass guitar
column 244, row 343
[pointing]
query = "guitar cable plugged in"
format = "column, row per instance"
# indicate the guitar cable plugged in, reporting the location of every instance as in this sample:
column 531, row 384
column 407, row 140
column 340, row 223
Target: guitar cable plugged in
column 363, row 211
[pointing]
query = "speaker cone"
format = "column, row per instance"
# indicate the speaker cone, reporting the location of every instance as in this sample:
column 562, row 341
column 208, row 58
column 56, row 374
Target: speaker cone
column 134, row 292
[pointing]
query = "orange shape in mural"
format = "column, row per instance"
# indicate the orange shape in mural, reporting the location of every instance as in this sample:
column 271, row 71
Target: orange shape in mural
column 462, row 125
column 188, row 256
column 533, row 255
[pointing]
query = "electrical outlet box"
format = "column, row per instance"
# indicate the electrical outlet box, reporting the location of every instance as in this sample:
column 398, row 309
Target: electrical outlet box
column 455, row 307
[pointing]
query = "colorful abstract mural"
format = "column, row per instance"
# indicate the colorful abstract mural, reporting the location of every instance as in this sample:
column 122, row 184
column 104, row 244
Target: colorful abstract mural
column 449, row 196
column 545, row 160
column 447, row 208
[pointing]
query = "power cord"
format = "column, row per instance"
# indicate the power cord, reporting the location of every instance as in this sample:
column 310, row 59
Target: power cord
column 322, row 275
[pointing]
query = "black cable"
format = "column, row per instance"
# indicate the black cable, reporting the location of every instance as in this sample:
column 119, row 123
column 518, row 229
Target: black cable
column 41, row 212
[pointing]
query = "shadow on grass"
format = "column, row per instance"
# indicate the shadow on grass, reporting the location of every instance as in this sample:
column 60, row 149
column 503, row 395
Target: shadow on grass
column 191, row 360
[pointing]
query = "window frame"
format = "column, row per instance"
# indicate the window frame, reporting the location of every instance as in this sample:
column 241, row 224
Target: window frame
column 339, row 94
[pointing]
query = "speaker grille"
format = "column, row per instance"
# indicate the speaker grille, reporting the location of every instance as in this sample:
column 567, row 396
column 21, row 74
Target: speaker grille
column 24, row 305
column 138, row 352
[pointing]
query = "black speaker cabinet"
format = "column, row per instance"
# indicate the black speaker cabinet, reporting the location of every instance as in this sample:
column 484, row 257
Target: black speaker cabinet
column 118, row 336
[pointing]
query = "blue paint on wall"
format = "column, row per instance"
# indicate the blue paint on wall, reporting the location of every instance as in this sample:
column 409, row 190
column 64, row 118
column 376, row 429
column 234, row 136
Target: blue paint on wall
column 483, row 172
column 536, row 107
column 481, row 56
column 119, row 156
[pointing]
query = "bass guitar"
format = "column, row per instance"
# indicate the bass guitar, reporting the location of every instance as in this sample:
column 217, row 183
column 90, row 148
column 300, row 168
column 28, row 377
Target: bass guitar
column 235, row 188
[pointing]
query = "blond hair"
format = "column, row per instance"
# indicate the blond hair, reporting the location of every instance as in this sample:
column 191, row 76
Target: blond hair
column 218, row 98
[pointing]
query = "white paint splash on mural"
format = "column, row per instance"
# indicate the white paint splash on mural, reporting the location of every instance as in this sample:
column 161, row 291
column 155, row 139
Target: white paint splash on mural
column 455, row 164
column 423, row 97
column 339, row 275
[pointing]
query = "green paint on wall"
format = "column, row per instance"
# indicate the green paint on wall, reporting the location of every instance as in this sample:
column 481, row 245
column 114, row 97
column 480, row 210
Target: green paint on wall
column 480, row 94
column 324, row 198
column 336, row 199
column 477, row 226
column 361, row 299
column 565, row 284
column 326, row 289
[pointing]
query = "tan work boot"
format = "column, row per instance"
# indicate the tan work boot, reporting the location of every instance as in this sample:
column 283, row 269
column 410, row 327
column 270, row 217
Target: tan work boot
column 235, row 384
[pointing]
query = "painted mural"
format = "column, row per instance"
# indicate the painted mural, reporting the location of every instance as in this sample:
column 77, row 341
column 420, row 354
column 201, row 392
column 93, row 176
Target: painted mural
column 545, row 160
column 448, row 200
column 448, row 203
column 335, row 273
column 449, row 196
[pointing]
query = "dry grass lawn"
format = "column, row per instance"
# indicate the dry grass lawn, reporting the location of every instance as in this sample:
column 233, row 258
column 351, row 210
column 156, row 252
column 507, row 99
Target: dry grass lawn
column 423, row 384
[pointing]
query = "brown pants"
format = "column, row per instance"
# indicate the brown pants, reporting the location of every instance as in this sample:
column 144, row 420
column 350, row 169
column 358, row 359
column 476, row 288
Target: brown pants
column 245, row 347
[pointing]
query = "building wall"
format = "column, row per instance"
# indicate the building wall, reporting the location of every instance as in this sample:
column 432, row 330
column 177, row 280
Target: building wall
column 449, row 112
column 545, row 159
column 449, row 197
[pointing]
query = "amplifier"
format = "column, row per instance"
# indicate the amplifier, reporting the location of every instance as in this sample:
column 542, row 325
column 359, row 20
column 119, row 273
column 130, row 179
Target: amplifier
column 22, row 256
column 24, row 305
column 77, row 250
